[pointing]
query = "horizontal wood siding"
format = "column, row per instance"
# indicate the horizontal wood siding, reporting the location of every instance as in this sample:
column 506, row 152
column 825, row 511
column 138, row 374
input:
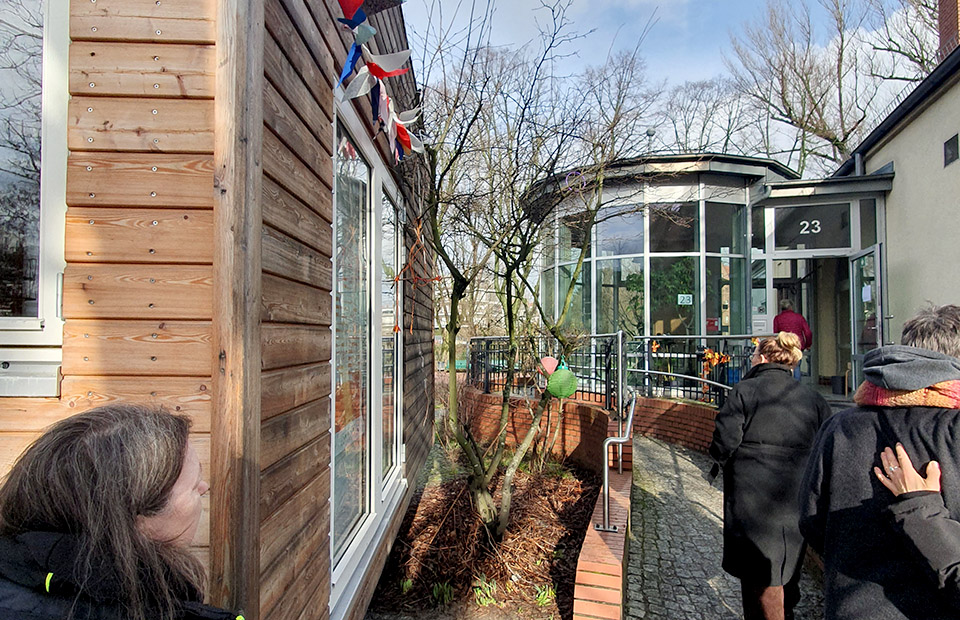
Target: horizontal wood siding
column 137, row 290
column 138, row 283
column 296, row 313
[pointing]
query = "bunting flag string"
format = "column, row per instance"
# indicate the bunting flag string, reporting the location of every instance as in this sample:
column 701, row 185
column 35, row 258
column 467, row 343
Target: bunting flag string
column 353, row 56
column 376, row 68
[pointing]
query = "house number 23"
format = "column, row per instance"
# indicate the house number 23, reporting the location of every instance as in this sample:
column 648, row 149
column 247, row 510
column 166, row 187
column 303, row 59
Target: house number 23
column 811, row 227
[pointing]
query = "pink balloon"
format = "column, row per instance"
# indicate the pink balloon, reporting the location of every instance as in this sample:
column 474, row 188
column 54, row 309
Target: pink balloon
column 549, row 364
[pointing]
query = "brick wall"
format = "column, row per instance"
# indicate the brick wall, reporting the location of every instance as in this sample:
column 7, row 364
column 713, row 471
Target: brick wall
column 683, row 424
column 600, row 578
column 582, row 429
column 949, row 22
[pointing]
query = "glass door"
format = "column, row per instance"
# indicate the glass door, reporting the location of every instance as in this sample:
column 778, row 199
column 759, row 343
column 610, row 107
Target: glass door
column 865, row 306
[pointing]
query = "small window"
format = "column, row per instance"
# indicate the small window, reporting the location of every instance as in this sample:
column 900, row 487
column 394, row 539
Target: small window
column 951, row 151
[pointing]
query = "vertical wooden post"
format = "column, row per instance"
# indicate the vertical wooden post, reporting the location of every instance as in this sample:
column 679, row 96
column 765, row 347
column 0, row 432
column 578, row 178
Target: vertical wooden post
column 235, row 425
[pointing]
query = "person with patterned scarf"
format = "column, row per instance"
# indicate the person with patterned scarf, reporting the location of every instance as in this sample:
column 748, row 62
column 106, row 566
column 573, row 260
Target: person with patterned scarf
column 911, row 396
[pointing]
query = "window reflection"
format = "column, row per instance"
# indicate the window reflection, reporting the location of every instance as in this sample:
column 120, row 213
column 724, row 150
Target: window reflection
column 620, row 231
column 674, row 227
column 725, row 296
column 724, row 228
column 578, row 316
column 620, row 296
column 351, row 341
column 674, row 295
column 21, row 47
column 389, row 327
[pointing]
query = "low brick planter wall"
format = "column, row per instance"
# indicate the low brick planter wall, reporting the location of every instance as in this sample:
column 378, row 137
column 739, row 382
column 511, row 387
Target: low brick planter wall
column 680, row 423
column 582, row 430
column 601, row 573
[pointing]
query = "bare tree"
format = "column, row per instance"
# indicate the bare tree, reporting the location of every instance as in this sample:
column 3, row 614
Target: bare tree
column 826, row 91
column 906, row 36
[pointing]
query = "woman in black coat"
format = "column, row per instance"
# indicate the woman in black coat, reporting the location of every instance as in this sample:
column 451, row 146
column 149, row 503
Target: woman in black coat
column 763, row 435
column 96, row 518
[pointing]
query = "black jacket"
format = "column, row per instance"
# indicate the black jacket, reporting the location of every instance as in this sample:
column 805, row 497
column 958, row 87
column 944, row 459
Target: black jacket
column 924, row 524
column 38, row 581
column 872, row 570
column 762, row 439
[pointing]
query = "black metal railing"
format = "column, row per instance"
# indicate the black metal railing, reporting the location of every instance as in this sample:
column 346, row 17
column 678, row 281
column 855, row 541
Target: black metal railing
column 595, row 362
column 681, row 367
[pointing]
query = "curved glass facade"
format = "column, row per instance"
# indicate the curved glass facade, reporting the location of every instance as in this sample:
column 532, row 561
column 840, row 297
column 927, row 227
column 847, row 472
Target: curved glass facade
column 671, row 259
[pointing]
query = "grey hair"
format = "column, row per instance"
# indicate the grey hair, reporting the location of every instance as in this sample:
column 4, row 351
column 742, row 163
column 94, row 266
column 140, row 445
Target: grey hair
column 786, row 304
column 936, row 328
column 91, row 475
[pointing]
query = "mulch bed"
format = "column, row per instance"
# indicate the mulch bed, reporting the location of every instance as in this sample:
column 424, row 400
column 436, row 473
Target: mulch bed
column 442, row 541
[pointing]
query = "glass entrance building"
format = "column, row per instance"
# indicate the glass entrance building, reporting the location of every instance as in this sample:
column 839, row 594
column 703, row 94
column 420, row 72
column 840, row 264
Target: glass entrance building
column 670, row 252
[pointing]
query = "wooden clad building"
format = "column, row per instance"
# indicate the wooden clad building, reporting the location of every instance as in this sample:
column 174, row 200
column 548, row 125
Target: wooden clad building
column 229, row 236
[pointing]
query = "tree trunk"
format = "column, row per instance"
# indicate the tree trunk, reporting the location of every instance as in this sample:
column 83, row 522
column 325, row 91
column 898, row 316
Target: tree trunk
column 506, row 496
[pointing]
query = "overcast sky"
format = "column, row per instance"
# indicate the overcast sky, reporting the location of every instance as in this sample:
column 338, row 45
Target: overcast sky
column 685, row 43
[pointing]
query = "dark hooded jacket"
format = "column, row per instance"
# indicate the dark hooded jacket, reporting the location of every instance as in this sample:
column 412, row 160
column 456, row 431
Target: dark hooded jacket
column 39, row 581
column 872, row 568
column 763, row 436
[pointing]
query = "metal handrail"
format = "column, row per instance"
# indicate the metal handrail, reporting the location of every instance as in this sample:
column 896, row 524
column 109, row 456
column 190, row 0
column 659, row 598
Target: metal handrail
column 678, row 375
column 605, row 526
column 705, row 337
column 622, row 438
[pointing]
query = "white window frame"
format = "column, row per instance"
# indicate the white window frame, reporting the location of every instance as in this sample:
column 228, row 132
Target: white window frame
column 391, row 478
column 349, row 570
column 30, row 347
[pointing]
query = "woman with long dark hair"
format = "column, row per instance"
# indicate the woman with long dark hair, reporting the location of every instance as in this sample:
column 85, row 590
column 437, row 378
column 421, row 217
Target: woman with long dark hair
column 96, row 518
column 763, row 436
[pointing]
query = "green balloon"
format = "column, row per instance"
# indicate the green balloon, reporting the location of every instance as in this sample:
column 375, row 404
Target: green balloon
column 562, row 383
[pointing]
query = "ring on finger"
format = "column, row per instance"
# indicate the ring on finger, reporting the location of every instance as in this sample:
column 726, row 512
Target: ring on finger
column 893, row 468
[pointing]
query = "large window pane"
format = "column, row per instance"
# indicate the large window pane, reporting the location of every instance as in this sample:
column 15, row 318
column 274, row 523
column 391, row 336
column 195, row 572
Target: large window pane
column 620, row 296
column 674, row 295
column 389, row 328
column 758, row 291
column 573, row 236
column 547, row 291
column 351, row 341
column 724, row 228
column 578, row 316
column 759, row 232
column 868, row 222
column 725, row 298
column 673, row 227
column 620, row 231
column 21, row 47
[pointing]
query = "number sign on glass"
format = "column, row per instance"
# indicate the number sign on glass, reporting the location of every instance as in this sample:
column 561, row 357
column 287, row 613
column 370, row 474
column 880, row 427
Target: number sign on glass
column 814, row 227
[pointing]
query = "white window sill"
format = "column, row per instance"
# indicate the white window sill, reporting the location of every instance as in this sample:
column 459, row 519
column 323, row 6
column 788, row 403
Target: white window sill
column 30, row 372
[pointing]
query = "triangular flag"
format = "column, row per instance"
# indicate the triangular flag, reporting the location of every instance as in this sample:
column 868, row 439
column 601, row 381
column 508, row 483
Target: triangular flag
column 399, row 151
column 415, row 144
column 375, row 6
column 375, row 100
column 354, row 22
column 389, row 62
column 384, row 105
column 391, row 124
column 403, row 137
column 351, row 63
column 349, row 7
column 409, row 116
column 363, row 33
column 378, row 72
column 361, row 84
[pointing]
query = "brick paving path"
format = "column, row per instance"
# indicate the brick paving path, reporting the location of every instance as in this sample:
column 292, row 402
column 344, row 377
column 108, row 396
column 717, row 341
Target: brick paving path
column 673, row 571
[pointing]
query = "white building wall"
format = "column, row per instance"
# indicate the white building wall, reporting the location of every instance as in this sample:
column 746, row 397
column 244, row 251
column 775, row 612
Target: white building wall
column 922, row 251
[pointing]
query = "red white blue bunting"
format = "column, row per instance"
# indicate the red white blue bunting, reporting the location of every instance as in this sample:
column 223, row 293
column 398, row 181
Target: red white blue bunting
column 376, row 68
